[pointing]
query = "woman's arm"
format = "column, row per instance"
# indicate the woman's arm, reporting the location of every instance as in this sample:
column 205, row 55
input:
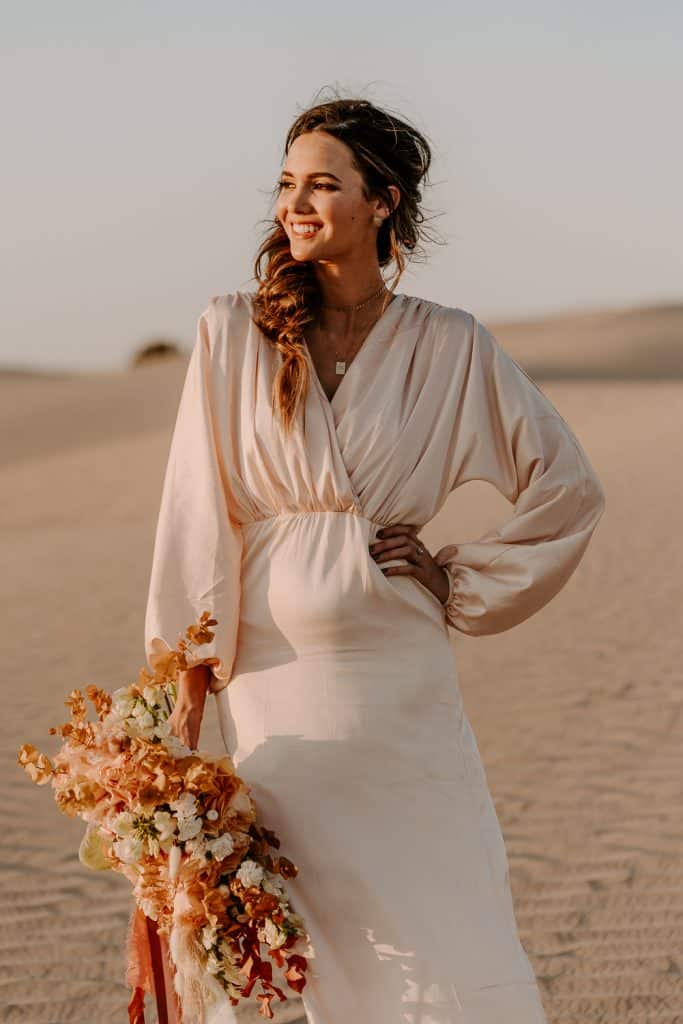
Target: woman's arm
column 196, row 563
column 186, row 718
column 509, row 434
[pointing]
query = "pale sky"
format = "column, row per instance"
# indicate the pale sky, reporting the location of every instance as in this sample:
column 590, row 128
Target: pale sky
column 141, row 141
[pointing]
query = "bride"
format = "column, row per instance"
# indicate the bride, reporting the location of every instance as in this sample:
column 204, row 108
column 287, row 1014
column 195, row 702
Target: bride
column 324, row 421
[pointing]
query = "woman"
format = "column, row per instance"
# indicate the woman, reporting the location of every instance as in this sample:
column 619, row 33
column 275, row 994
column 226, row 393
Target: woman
column 323, row 422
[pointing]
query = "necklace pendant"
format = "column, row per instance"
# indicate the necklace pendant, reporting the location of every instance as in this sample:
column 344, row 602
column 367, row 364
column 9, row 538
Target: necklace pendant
column 340, row 368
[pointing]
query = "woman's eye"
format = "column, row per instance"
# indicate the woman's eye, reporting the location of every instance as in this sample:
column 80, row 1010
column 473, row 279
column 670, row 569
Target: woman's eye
column 318, row 184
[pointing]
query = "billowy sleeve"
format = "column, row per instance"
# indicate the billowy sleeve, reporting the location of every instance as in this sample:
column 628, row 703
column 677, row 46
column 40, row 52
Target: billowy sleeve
column 508, row 433
column 198, row 546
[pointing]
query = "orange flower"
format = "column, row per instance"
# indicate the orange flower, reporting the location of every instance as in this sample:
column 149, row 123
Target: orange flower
column 101, row 699
column 37, row 765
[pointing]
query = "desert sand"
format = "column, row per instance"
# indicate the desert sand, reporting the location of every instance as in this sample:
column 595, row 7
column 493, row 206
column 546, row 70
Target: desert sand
column 578, row 712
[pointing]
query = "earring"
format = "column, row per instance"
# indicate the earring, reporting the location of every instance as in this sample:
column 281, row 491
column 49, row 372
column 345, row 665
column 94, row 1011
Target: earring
column 378, row 218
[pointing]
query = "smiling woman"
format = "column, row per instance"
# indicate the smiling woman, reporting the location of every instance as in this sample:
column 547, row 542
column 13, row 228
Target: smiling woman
column 347, row 204
column 336, row 687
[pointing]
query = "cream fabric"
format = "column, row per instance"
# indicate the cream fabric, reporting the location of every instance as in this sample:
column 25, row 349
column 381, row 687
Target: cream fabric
column 336, row 686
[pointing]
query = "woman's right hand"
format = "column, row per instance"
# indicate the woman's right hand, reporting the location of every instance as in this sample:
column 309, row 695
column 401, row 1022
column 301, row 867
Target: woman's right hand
column 186, row 718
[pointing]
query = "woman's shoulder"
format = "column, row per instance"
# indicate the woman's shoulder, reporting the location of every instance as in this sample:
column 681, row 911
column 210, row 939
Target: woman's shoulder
column 448, row 325
column 229, row 306
column 227, row 318
column 459, row 339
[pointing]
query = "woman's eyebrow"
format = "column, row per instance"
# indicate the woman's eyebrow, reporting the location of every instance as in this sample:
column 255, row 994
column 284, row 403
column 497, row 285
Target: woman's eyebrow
column 313, row 174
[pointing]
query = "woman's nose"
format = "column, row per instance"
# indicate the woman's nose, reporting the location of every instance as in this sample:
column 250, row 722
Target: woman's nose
column 300, row 204
column 297, row 197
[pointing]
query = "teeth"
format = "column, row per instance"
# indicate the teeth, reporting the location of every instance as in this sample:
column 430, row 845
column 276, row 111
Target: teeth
column 305, row 229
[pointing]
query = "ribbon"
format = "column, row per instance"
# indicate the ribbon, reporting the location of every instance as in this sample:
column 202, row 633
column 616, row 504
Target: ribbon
column 150, row 970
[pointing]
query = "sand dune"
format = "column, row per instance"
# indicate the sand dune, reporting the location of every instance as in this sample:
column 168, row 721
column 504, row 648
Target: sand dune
column 578, row 712
column 645, row 342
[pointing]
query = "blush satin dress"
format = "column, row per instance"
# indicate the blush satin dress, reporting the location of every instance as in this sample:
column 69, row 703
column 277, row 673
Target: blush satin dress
column 336, row 686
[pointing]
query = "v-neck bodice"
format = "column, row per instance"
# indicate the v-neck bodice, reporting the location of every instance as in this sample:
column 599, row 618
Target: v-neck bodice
column 379, row 325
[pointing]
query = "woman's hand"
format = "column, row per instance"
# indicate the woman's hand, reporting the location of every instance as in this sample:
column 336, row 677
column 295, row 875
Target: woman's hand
column 186, row 718
column 401, row 541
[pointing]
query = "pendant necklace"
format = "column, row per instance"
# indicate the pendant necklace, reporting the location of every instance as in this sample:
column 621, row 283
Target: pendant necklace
column 340, row 364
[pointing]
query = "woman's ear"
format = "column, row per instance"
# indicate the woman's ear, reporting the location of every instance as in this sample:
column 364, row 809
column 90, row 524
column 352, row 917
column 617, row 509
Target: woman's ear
column 382, row 211
column 396, row 193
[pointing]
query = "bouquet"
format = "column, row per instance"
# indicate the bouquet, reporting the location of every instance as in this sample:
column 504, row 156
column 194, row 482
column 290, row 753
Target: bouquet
column 183, row 828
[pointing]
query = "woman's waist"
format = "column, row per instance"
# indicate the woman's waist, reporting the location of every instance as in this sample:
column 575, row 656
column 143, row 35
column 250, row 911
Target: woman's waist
column 329, row 590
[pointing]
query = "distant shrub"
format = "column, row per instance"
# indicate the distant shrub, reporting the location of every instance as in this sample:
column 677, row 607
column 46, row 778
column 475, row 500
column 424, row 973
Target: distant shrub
column 156, row 350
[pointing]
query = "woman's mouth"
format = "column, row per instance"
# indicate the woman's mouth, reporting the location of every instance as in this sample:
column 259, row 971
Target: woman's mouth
column 305, row 230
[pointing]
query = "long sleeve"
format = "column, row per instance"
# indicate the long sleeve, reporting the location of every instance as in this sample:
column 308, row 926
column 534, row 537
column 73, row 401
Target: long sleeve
column 508, row 433
column 198, row 547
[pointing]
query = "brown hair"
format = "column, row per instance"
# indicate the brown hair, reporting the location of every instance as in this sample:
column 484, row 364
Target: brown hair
column 386, row 151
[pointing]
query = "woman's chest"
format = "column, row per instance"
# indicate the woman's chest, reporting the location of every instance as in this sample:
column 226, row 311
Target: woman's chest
column 365, row 447
column 332, row 358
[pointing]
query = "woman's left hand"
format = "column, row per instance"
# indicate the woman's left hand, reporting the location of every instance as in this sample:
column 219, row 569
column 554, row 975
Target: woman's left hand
column 401, row 541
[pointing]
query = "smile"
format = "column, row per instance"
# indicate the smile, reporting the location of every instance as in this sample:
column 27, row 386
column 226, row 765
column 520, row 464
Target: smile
column 305, row 229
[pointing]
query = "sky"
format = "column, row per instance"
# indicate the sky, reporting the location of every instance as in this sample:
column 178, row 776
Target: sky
column 142, row 141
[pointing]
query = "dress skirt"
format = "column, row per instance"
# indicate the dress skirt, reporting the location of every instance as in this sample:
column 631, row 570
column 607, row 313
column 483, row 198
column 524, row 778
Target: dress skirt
column 344, row 716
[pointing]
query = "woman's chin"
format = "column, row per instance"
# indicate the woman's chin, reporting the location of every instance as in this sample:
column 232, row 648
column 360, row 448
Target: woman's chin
column 305, row 255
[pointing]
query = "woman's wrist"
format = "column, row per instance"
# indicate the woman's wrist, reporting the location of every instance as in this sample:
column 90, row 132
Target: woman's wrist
column 193, row 685
column 186, row 718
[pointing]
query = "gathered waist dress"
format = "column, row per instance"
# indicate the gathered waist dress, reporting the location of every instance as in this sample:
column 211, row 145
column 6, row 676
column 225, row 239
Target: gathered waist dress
column 336, row 686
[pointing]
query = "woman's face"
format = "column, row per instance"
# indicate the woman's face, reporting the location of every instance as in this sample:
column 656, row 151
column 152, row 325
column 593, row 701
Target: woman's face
column 319, row 186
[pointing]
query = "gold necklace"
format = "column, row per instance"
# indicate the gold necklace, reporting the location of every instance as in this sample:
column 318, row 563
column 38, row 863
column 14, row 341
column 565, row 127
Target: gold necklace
column 340, row 366
column 360, row 304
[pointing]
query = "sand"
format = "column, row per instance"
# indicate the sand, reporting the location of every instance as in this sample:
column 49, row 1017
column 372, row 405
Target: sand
column 578, row 711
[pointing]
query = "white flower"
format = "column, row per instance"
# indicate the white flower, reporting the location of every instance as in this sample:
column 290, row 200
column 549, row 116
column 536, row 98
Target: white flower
column 196, row 848
column 250, row 873
column 165, row 824
column 113, row 724
column 273, row 884
column 141, row 722
column 129, row 850
column 189, row 824
column 146, row 721
column 162, row 729
column 222, row 846
column 153, row 696
column 185, row 806
column 123, row 702
column 124, row 823
column 212, row 815
column 188, row 828
column 271, row 934
column 175, row 747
